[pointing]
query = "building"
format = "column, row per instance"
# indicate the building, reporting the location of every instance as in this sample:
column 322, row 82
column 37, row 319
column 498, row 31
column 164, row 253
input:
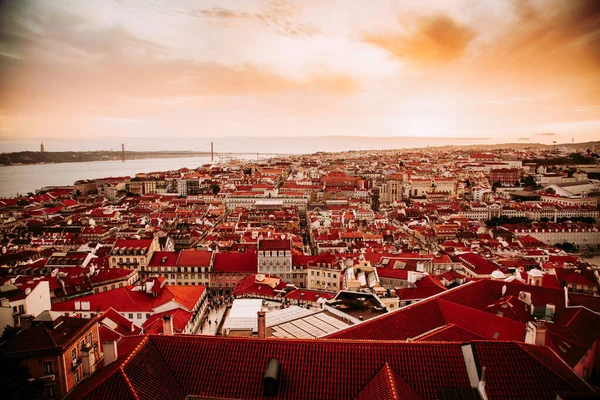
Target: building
column 229, row 269
column 28, row 299
column 193, row 266
column 138, row 303
column 133, row 254
column 58, row 350
column 506, row 176
column 275, row 257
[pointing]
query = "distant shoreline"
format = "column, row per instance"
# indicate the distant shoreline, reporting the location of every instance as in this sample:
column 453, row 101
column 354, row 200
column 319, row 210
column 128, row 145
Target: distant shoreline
column 39, row 158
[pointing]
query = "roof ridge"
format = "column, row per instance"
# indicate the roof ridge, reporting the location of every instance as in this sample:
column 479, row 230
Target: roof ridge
column 49, row 334
column 390, row 378
column 128, row 382
column 105, row 378
column 526, row 347
column 165, row 361
column 134, row 352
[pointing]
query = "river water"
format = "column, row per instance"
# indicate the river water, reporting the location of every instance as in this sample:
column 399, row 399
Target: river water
column 21, row 179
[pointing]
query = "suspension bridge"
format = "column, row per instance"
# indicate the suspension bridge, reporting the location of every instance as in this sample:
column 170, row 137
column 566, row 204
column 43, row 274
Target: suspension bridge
column 217, row 153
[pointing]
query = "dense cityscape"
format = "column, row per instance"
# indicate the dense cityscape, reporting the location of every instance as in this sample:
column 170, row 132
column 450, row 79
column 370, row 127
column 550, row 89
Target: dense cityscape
column 474, row 269
column 299, row 199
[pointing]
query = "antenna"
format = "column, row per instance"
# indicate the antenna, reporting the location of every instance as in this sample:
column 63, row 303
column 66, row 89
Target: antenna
column 554, row 145
column 123, row 152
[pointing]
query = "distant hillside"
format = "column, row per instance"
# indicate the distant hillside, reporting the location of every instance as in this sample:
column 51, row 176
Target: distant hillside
column 520, row 146
column 31, row 157
column 270, row 145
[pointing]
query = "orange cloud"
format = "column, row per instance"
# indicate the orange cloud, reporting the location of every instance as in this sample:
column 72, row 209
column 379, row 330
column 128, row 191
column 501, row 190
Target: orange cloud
column 431, row 40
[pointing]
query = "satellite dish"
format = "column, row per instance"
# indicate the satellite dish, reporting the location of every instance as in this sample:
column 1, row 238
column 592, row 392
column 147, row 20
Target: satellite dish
column 503, row 290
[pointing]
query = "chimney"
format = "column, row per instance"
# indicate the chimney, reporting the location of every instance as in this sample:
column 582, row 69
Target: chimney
column 88, row 359
column 482, row 383
column 535, row 333
column 271, row 378
column 472, row 364
column 109, row 348
column 25, row 321
column 262, row 324
column 167, row 325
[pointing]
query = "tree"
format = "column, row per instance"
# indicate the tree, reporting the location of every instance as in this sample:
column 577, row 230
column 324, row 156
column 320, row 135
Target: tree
column 530, row 182
column 10, row 332
column 215, row 188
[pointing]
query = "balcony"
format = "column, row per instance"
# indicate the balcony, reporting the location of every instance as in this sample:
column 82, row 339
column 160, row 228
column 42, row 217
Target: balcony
column 76, row 364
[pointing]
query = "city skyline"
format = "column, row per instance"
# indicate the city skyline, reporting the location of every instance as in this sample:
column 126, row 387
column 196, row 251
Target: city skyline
column 503, row 71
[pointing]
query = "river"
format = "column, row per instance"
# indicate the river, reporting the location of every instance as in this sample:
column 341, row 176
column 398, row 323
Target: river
column 21, row 179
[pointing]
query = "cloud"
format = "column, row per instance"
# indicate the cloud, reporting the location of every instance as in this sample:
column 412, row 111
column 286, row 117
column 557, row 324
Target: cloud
column 434, row 39
column 546, row 134
column 278, row 16
column 523, row 139
column 75, row 65
column 548, row 39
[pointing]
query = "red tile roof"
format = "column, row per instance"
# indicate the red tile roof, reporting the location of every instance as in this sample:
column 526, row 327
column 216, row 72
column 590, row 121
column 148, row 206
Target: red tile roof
column 180, row 318
column 133, row 243
column 127, row 300
column 387, row 384
column 47, row 335
column 194, row 258
column 163, row 258
column 236, row 262
column 274, row 244
column 177, row 366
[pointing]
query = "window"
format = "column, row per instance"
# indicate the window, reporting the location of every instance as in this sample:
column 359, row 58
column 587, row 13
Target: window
column 96, row 291
column 48, row 367
column 147, row 315
column 112, row 287
column 49, row 392
column 104, row 288
column 89, row 338
column 76, row 376
column 21, row 309
column 74, row 355
column 130, row 316
column 121, row 284
column 139, row 316
column 81, row 343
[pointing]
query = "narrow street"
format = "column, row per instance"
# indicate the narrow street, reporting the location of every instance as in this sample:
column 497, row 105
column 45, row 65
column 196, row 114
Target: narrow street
column 215, row 317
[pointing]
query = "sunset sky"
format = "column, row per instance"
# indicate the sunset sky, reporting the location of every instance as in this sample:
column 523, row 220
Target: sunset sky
column 501, row 71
